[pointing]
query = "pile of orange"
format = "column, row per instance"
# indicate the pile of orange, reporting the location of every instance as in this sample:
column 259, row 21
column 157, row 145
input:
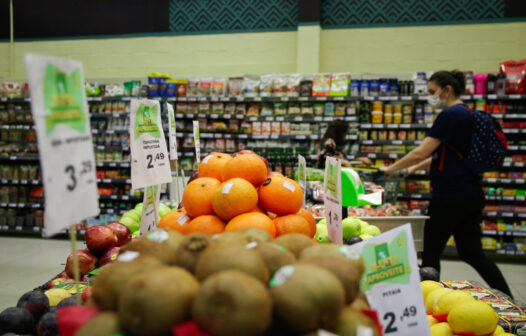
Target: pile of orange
column 232, row 193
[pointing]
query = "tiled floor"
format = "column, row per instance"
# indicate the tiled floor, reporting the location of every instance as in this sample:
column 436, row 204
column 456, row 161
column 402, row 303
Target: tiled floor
column 26, row 263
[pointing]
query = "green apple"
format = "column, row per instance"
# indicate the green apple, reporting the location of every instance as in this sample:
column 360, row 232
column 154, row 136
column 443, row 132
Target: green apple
column 163, row 210
column 322, row 221
column 139, row 207
column 133, row 215
column 372, row 230
column 364, row 225
column 365, row 236
column 130, row 223
column 351, row 227
column 322, row 235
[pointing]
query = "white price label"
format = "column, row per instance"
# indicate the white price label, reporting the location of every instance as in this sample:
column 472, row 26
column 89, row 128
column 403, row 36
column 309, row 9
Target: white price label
column 302, row 175
column 150, row 209
column 197, row 142
column 391, row 282
column 333, row 199
column 150, row 163
column 60, row 112
column 172, row 133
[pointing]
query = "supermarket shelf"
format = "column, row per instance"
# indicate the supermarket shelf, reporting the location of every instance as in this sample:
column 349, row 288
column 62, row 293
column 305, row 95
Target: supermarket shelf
column 112, row 148
column 19, row 158
column 503, row 181
column 110, row 131
column 513, row 131
column 497, row 255
column 509, row 116
column 120, row 198
column 506, row 198
column 381, row 155
column 113, row 211
column 419, row 211
column 101, row 164
column 22, row 205
column 504, row 233
column 391, row 142
column 414, row 196
column 20, row 182
column 494, row 214
column 516, row 148
column 114, row 181
column 110, row 115
column 395, row 126
column 265, row 118
column 17, row 127
column 252, row 136
column 514, row 164
column 14, row 100
column 21, row 230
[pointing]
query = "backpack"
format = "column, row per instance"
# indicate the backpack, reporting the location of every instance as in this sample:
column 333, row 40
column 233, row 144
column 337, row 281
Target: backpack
column 488, row 144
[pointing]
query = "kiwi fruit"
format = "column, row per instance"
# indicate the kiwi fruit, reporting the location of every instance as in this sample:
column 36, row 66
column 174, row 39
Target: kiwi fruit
column 230, row 238
column 359, row 304
column 294, row 242
column 108, row 284
column 147, row 246
column 334, row 250
column 343, row 270
column 190, row 250
column 253, row 233
column 349, row 321
column 102, row 324
column 231, row 302
column 274, row 256
column 153, row 302
column 221, row 256
column 306, row 297
column 168, row 237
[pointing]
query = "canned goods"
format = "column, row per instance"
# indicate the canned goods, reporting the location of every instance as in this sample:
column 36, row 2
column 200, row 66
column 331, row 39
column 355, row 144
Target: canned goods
column 378, row 106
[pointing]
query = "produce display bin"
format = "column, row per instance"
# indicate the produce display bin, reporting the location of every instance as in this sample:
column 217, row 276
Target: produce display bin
column 386, row 223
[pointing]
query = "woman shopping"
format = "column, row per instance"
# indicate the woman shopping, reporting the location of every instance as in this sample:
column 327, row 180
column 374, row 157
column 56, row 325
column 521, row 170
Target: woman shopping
column 457, row 198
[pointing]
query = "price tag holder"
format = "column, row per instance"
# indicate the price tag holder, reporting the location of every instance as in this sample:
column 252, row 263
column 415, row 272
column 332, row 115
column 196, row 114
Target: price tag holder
column 150, row 209
column 150, row 163
column 333, row 199
column 302, row 176
column 391, row 282
column 197, row 142
column 60, row 112
column 172, row 133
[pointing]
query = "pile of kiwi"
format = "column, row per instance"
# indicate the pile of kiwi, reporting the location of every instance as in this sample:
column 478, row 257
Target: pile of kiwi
column 235, row 283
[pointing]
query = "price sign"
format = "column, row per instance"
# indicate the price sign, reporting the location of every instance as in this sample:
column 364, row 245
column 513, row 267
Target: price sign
column 150, row 209
column 150, row 163
column 60, row 111
column 172, row 133
column 302, row 175
column 197, row 142
column 391, row 281
column 333, row 199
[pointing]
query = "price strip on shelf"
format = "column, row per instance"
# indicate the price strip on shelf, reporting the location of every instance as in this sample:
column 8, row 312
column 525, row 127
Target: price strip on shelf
column 63, row 128
column 391, row 281
column 150, row 163
column 302, row 176
column 172, row 133
column 197, row 142
column 150, row 209
column 333, row 199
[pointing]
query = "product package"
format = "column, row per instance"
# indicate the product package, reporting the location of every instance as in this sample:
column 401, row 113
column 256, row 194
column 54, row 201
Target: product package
column 515, row 76
column 279, row 85
column 321, row 85
column 253, row 110
column 306, row 87
column 293, row 85
column 219, row 87
column 192, row 90
column 265, row 86
column 235, row 86
column 340, row 84
column 205, row 86
column 251, row 86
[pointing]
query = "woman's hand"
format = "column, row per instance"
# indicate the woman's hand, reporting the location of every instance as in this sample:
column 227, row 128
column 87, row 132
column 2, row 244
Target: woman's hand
column 387, row 172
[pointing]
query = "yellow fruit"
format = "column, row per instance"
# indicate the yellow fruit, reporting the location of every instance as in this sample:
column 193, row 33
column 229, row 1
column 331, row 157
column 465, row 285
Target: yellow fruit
column 431, row 320
column 55, row 295
column 428, row 286
column 447, row 301
column 432, row 298
column 441, row 329
column 474, row 317
column 499, row 331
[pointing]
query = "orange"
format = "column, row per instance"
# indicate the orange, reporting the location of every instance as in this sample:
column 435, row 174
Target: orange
column 206, row 224
column 280, row 195
column 234, row 197
column 251, row 219
column 247, row 166
column 291, row 224
column 176, row 220
column 212, row 165
column 310, row 219
column 197, row 197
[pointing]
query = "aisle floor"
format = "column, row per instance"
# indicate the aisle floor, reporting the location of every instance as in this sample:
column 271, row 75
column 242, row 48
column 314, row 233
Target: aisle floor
column 26, row 263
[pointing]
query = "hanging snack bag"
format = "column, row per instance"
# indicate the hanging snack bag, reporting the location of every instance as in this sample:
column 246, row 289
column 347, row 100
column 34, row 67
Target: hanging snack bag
column 191, row 108
column 230, row 145
column 329, row 109
column 180, row 108
column 256, row 127
column 220, row 145
column 340, row 84
column 306, row 109
column 251, row 86
column 253, row 110
column 275, row 127
column 230, row 108
column 265, row 128
column 293, row 85
column 192, row 89
column 339, row 109
column 217, row 108
column 294, row 109
column 267, row 110
column 235, row 86
column 280, row 109
column 285, row 128
column 209, row 146
column 246, row 127
column 318, row 109
column 233, row 126
column 306, row 87
column 265, row 86
column 219, row 86
column 241, row 109
column 204, row 107
column 279, row 85
column 182, row 85
column 205, row 86
column 321, row 85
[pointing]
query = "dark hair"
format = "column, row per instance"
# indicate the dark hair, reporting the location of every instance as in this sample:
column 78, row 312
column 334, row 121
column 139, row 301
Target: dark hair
column 454, row 78
column 336, row 131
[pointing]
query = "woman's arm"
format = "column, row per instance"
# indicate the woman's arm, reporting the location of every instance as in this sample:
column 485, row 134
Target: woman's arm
column 416, row 156
column 424, row 165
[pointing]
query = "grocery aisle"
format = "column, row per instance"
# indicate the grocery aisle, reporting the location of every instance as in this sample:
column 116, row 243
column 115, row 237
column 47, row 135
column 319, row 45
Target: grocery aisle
column 27, row 263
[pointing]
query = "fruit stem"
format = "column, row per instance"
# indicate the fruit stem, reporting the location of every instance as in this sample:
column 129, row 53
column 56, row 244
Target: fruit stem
column 76, row 274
